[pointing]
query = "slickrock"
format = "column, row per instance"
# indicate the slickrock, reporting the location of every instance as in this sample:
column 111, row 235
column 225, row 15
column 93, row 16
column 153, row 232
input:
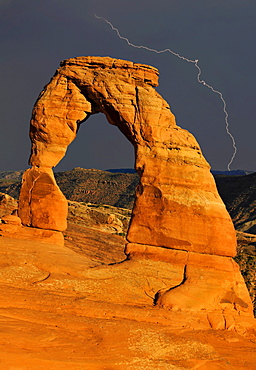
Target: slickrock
column 17, row 231
column 60, row 309
column 177, row 215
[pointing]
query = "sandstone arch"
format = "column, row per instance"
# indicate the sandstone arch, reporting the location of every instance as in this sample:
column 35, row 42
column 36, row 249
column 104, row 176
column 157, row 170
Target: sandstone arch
column 177, row 204
column 178, row 215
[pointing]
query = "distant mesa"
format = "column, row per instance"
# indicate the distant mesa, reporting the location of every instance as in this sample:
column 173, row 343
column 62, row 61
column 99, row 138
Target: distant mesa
column 178, row 216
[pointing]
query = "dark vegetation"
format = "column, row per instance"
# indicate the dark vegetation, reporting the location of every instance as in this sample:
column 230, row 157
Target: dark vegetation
column 10, row 182
column 239, row 195
column 246, row 258
column 98, row 187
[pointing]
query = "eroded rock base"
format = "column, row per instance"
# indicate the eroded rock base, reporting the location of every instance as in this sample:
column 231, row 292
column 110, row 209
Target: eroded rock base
column 189, row 295
column 32, row 234
column 206, row 283
column 41, row 202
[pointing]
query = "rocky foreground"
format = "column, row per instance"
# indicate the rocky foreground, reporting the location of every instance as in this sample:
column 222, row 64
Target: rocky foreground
column 81, row 307
column 116, row 220
column 84, row 306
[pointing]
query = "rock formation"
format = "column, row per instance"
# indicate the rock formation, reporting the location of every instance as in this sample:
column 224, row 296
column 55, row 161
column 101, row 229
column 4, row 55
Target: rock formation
column 7, row 204
column 177, row 216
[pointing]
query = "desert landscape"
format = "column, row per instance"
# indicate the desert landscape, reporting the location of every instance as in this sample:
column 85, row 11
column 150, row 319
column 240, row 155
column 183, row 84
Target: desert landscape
column 113, row 280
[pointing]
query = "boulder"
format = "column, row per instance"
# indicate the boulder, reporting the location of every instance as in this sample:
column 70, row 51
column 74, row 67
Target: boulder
column 7, row 204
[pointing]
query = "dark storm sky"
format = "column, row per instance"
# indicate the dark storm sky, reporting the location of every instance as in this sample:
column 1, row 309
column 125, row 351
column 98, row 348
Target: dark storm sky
column 35, row 35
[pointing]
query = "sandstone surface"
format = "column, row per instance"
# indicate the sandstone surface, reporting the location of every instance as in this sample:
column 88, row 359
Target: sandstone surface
column 11, row 219
column 72, row 308
column 178, row 216
column 66, row 307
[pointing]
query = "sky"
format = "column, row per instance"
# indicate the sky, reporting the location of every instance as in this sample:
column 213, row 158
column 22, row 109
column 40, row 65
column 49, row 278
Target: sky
column 35, row 35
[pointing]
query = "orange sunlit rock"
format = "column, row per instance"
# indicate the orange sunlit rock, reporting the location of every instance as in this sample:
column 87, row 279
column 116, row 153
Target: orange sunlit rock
column 177, row 204
column 178, row 214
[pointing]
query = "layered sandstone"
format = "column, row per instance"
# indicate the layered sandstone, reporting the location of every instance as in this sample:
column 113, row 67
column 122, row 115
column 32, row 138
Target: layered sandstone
column 177, row 215
column 177, row 204
column 41, row 203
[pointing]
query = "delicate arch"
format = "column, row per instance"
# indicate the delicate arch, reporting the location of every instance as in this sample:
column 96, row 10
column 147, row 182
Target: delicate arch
column 177, row 205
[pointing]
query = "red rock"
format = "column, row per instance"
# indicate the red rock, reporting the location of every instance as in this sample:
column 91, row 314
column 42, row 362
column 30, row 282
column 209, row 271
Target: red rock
column 41, row 203
column 209, row 282
column 11, row 219
column 16, row 231
column 7, row 204
column 65, row 310
column 177, row 206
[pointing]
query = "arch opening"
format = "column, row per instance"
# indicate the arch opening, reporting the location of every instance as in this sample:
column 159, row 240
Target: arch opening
column 98, row 145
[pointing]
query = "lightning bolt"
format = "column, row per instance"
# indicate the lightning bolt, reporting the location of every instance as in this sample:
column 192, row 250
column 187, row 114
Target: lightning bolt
column 199, row 72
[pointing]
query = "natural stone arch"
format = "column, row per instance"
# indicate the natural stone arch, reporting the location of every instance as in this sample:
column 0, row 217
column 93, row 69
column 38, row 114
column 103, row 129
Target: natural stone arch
column 177, row 204
column 178, row 216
